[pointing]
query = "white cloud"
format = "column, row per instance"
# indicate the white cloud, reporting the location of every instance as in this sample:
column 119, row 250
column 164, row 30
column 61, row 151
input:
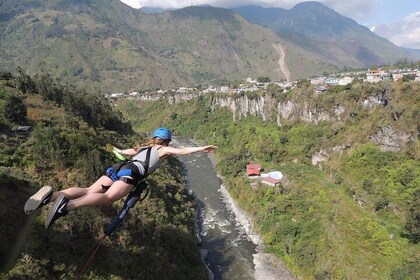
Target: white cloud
column 133, row 3
column 405, row 33
column 353, row 8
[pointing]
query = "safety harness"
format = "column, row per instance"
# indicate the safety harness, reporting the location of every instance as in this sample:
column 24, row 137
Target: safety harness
column 115, row 173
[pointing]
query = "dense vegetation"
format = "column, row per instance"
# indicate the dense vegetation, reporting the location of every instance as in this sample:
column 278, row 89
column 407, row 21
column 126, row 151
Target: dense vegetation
column 68, row 145
column 354, row 217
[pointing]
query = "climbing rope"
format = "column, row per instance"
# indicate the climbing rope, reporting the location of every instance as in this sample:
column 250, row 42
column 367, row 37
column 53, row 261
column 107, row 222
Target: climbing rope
column 101, row 241
column 129, row 202
column 65, row 276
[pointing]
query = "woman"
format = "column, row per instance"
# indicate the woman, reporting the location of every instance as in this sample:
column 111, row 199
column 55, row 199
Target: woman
column 117, row 182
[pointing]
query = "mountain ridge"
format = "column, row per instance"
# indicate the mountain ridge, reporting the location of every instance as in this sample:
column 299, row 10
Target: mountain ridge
column 106, row 46
column 327, row 34
column 111, row 48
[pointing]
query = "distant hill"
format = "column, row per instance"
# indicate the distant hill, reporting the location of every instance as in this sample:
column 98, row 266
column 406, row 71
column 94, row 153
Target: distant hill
column 413, row 54
column 326, row 34
column 106, row 46
column 152, row 10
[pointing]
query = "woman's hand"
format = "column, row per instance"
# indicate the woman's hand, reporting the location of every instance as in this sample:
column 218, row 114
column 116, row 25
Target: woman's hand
column 118, row 153
column 126, row 152
column 209, row 149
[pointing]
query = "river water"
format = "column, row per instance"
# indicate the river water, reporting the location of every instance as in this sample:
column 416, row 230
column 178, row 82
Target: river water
column 225, row 232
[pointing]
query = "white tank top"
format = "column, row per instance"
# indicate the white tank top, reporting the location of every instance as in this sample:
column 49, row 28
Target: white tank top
column 154, row 162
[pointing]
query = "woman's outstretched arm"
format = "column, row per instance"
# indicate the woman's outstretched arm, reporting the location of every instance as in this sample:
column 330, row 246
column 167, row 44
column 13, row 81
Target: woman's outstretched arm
column 126, row 152
column 186, row 150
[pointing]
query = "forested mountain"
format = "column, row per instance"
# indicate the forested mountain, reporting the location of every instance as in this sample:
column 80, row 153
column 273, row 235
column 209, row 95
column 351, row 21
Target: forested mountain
column 348, row 205
column 107, row 46
column 325, row 33
column 56, row 135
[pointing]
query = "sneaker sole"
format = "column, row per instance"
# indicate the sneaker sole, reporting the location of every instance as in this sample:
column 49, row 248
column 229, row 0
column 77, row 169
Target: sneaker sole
column 35, row 201
column 52, row 212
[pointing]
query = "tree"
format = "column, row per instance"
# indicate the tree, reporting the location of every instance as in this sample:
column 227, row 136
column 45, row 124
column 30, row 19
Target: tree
column 413, row 219
column 263, row 79
column 15, row 110
column 408, row 78
column 24, row 83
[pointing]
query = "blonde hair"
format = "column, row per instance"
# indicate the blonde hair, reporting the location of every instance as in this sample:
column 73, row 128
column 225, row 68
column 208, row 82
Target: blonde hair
column 152, row 142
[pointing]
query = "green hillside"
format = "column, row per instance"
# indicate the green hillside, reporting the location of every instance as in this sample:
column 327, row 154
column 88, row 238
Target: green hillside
column 107, row 46
column 353, row 217
column 68, row 144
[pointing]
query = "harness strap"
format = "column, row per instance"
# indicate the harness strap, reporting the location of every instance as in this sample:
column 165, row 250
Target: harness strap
column 148, row 153
column 128, row 180
column 131, row 200
column 115, row 173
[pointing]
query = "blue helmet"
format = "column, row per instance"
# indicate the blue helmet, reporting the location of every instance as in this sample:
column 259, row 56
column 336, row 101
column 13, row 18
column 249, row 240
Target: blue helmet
column 162, row 133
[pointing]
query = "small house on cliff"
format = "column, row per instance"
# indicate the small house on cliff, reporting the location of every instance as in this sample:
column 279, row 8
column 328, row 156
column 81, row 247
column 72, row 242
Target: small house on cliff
column 253, row 170
column 271, row 181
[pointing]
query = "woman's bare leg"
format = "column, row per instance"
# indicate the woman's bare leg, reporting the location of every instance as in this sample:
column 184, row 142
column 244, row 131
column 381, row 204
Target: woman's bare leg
column 118, row 190
column 76, row 192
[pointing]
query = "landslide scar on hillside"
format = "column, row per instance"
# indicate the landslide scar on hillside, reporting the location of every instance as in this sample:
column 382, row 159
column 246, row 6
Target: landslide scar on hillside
column 282, row 62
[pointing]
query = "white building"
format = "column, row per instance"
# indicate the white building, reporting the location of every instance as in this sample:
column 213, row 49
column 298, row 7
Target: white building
column 210, row 89
column 251, row 81
column 319, row 80
column 397, row 76
column 182, row 90
column 224, row 89
column 116, row 95
column 331, row 81
column 345, row 81
column 271, row 181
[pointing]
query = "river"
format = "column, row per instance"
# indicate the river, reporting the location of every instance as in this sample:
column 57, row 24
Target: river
column 232, row 250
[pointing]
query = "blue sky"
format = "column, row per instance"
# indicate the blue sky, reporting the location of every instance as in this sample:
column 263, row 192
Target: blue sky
column 388, row 11
column 396, row 20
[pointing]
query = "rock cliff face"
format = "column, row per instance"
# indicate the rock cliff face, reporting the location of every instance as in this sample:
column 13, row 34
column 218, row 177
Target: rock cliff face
column 269, row 107
column 265, row 106
column 391, row 140
column 262, row 106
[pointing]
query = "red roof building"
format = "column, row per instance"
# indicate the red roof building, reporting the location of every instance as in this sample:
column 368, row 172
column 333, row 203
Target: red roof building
column 253, row 170
column 271, row 181
column 257, row 166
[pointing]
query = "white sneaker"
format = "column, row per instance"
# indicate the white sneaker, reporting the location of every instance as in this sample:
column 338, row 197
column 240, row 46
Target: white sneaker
column 41, row 198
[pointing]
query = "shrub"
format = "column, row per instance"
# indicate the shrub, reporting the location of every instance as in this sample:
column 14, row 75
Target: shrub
column 15, row 110
column 408, row 271
column 413, row 219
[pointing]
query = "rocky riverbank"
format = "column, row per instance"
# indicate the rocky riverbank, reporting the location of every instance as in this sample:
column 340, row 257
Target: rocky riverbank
column 267, row 266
